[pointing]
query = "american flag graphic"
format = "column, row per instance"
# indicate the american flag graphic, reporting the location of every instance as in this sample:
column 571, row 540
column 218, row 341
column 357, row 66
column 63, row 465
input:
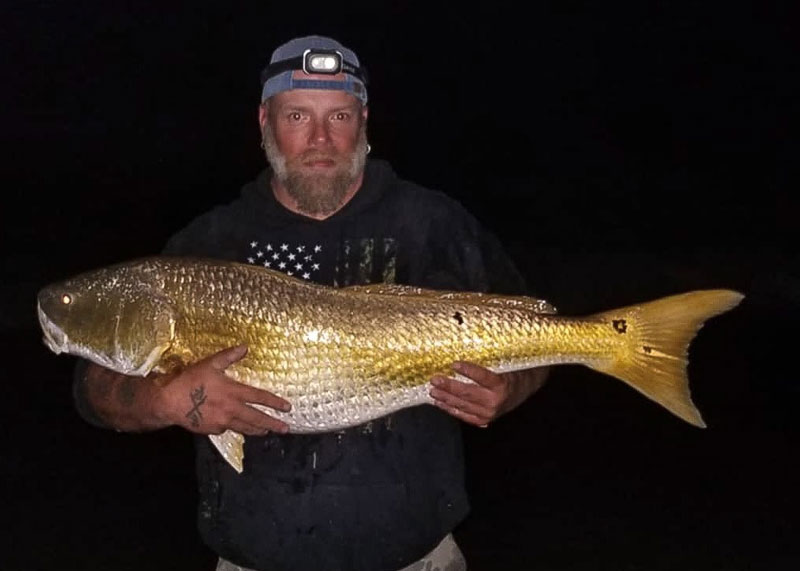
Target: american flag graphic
column 292, row 259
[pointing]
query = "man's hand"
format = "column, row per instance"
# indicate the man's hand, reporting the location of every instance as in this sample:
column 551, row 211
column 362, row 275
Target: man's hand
column 203, row 399
column 491, row 396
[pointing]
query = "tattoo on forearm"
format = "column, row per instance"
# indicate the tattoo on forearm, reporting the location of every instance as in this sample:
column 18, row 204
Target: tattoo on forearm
column 198, row 397
column 127, row 391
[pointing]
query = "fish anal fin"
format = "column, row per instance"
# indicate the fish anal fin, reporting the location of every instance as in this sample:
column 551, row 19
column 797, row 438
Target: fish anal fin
column 231, row 445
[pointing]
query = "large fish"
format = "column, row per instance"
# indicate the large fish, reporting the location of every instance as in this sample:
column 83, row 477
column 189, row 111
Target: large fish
column 345, row 356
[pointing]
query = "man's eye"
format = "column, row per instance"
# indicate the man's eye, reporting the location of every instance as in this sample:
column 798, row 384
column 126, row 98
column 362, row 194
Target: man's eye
column 341, row 116
column 295, row 116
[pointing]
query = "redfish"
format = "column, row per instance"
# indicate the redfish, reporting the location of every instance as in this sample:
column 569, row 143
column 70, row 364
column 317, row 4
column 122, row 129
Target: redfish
column 345, row 356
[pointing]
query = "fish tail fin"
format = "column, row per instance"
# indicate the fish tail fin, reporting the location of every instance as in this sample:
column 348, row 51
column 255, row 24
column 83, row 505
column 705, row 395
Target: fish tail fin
column 655, row 357
column 231, row 445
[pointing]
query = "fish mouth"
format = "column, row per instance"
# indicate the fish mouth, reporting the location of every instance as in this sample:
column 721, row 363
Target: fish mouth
column 55, row 339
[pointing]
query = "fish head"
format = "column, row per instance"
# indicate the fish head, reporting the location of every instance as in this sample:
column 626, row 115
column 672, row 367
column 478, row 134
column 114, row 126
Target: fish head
column 117, row 317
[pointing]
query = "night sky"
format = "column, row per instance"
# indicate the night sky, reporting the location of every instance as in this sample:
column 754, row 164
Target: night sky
column 618, row 154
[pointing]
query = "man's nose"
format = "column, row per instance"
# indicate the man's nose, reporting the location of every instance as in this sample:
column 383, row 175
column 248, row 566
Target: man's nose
column 320, row 132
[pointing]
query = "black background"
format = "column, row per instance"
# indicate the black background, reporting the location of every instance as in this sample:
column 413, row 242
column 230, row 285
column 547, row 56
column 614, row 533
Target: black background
column 620, row 153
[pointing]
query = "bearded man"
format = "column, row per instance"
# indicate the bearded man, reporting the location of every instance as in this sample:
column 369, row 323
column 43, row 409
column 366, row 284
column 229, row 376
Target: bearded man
column 382, row 496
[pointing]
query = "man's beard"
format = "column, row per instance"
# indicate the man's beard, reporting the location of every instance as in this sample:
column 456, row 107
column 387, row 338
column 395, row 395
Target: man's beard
column 317, row 194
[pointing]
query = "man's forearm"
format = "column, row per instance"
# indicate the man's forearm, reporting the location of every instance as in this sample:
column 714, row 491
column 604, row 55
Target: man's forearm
column 523, row 384
column 200, row 398
column 109, row 399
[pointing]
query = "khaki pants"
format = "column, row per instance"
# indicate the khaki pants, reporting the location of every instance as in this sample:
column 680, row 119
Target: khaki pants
column 445, row 557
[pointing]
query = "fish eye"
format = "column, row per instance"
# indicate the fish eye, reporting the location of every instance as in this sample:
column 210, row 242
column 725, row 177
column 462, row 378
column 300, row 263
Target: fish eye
column 66, row 299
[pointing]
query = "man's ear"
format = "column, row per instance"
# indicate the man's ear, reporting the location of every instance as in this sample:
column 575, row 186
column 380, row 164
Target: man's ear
column 263, row 114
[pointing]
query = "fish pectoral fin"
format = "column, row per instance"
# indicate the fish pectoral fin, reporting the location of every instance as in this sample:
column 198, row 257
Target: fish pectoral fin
column 170, row 363
column 151, row 362
column 147, row 330
column 531, row 304
column 231, row 445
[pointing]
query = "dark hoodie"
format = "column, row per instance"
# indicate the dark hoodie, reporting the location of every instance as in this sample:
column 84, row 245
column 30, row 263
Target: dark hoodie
column 373, row 497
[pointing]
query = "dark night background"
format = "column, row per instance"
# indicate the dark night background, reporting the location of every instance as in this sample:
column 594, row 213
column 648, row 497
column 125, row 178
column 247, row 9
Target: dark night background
column 619, row 154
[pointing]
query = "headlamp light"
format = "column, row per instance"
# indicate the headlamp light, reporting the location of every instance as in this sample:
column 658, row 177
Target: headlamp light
column 322, row 61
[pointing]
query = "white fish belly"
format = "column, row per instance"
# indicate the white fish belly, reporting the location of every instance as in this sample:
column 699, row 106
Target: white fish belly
column 332, row 411
column 311, row 415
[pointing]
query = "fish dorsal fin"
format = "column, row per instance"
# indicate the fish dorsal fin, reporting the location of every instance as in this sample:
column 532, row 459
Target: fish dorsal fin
column 514, row 301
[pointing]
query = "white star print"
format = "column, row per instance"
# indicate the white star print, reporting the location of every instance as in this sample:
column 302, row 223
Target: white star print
column 292, row 259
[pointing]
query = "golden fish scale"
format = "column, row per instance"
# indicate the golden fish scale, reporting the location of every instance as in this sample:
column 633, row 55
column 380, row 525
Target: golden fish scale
column 353, row 343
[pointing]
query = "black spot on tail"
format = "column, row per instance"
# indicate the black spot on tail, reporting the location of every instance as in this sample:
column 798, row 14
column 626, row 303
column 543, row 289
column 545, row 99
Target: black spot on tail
column 457, row 316
column 620, row 325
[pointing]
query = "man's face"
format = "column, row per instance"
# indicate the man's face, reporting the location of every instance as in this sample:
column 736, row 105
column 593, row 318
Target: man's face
column 315, row 141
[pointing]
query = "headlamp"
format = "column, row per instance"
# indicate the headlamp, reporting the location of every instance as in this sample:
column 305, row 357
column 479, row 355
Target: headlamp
column 316, row 61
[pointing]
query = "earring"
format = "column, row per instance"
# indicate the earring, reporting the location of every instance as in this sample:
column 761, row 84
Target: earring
column 369, row 148
column 262, row 144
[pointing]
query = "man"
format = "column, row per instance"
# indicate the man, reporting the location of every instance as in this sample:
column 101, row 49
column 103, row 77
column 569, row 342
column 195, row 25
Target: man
column 380, row 496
